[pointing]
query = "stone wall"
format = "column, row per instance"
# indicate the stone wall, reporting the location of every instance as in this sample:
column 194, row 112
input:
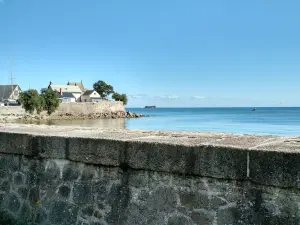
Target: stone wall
column 87, row 108
column 93, row 177
column 80, row 108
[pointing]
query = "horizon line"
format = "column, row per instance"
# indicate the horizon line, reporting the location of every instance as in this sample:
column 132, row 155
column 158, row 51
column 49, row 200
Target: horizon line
column 216, row 107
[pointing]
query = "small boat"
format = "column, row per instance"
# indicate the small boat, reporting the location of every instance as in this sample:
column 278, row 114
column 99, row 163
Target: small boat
column 254, row 109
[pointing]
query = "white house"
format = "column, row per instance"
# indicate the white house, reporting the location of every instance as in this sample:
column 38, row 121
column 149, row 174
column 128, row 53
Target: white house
column 9, row 92
column 62, row 89
column 79, row 84
column 90, row 96
column 66, row 97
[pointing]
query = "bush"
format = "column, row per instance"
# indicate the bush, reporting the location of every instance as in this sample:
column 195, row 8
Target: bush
column 40, row 104
column 120, row 97
column 51, row 101
column 31, row 101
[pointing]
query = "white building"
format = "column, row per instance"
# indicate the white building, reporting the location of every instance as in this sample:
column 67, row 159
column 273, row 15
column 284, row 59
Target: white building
column 66, row 97
column 90, row 96
column 79, row 84
column 9, row 92
column 62, row 89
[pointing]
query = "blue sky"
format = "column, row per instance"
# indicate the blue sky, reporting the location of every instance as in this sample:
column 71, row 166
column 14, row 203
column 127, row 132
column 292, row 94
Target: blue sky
column 168, row 53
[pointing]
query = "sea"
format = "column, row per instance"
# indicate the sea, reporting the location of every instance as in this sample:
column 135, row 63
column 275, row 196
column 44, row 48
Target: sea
column 264, row 121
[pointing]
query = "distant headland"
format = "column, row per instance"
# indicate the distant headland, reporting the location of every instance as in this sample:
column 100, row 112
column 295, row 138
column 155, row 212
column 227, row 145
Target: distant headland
column 150, row 107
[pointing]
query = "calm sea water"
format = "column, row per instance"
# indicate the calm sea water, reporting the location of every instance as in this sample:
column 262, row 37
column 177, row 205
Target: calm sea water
column 279, row 121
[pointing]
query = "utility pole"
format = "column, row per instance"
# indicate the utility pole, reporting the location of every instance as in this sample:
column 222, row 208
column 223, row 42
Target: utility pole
column 11, row 76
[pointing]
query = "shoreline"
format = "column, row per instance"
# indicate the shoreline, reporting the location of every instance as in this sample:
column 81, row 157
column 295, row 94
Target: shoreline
column 27, row 118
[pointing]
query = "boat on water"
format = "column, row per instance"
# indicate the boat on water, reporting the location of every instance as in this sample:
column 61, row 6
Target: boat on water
column 150, row 107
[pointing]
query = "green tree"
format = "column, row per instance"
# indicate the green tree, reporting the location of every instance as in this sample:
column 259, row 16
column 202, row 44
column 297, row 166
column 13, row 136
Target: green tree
column 43, row 90
column 30, row 101
column 51, row 101
column 103, row 88
column 120, row 97
column 40, row 104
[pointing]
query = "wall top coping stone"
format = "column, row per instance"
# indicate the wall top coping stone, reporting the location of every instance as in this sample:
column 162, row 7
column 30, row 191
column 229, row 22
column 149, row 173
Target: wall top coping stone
column 265, row 160
column 287, row 144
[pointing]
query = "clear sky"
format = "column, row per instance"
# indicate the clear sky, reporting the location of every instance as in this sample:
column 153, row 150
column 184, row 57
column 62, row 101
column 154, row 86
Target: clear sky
column 162, row 52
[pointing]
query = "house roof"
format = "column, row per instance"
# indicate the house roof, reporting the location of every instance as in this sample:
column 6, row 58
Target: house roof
column 5, row 91
column 65, row 88
column 88, row 92
column 79, row 84
column 65, row 95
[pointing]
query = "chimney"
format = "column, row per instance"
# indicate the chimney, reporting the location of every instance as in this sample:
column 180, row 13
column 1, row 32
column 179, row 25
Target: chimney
column 75, row 84
column 60, row 90
column 50, row 82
